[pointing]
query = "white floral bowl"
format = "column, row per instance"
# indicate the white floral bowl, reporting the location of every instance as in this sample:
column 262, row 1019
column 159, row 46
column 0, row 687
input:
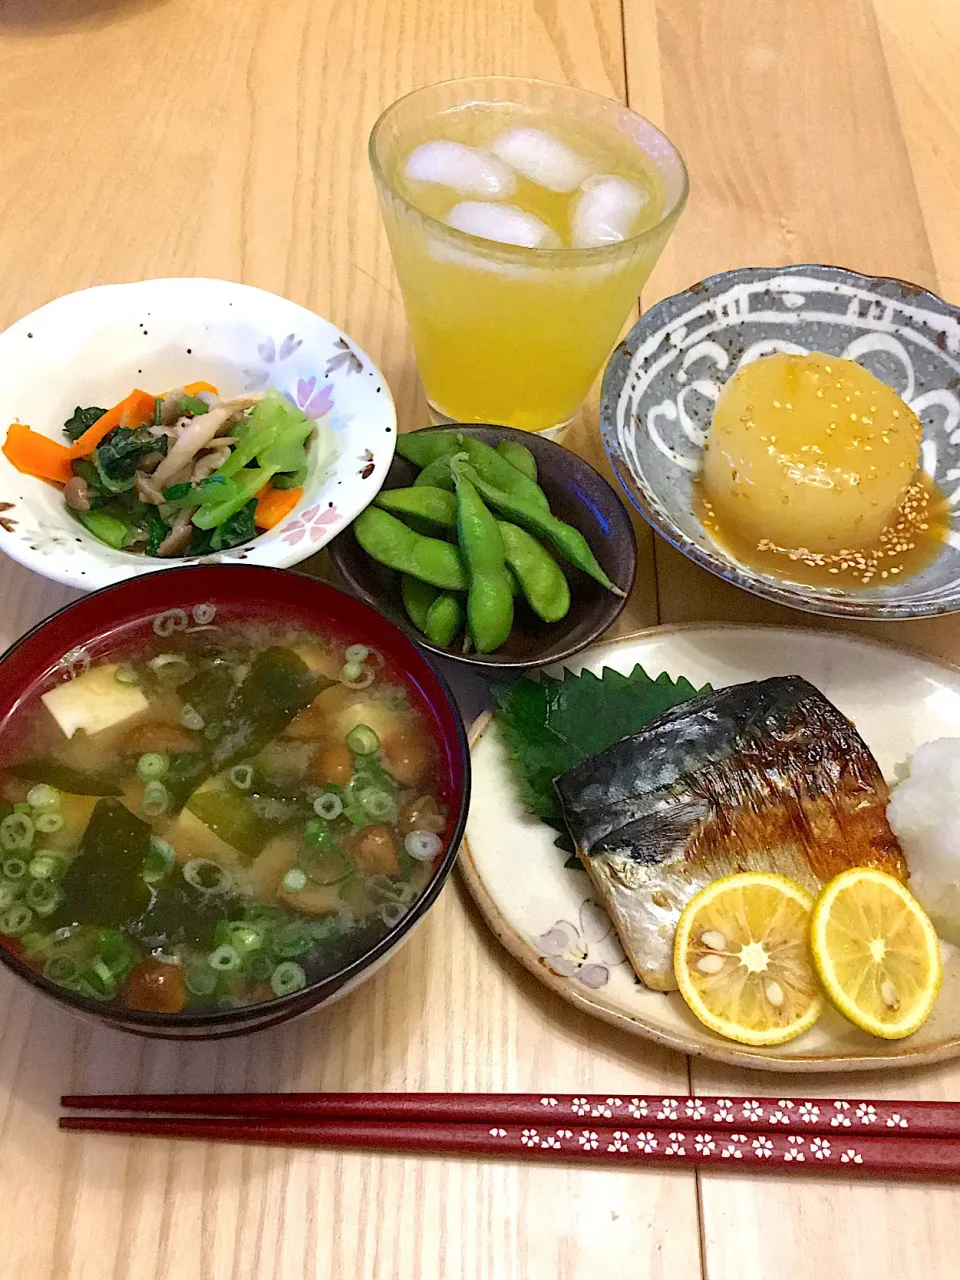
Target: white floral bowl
column 94, row 346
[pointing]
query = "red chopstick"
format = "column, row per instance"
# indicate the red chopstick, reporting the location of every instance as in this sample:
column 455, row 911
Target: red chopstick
column 733, row 1150
column 809, row 1116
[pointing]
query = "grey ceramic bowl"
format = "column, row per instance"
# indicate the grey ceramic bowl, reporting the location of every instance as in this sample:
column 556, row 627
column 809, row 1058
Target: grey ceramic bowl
column 579, row 496
column 662, row 382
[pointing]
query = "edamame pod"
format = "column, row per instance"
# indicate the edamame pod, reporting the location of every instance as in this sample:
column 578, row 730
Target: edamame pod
column 417, row 598
column 519, row 456
column 435, row 506
column 569, row 541
column 445, row 619
column 391, row 542
column 423, row 448
column 489, row 600
column 436, row 474
column 546, row 589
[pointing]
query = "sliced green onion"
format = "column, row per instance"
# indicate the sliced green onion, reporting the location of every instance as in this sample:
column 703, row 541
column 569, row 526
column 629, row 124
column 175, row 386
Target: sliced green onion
column 46, row 866
column 241, row 775
column 356, row 653
column 191, row 718
column 245, row 938
column 378, row 804
column 212, row 732
column 8, row 895
column 328, row 806
column 258, row 966
column 61, row 969
column 158, row 861
column 291, row 940
column 43, row 797
column 200, row 979
column 171, row 669
column 14, row 868
column 362, row 740
column 294, row 880
column 98, row 981
column 323, row 930
column 16, row 832
column 422, row 845
column 355, row 676
column 156, row 799
column 225, row 959
column 47, row 823
column 126, row 674
column 392, row 913
column 204, row 873
column 44, row 896
column 287, row 978
column 154, row 764
column 22, row 807
column 16, row 920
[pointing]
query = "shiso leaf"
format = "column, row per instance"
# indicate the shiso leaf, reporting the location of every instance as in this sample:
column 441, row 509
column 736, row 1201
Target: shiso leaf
column 550, row 724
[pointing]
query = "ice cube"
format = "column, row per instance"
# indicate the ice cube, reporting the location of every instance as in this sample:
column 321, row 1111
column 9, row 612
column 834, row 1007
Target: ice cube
column 606, row 210
column 542, row 158
column 465, row 169
column 503, row 222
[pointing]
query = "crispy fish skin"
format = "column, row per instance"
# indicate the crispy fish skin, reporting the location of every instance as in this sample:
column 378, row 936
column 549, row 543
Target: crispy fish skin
column 764, row 776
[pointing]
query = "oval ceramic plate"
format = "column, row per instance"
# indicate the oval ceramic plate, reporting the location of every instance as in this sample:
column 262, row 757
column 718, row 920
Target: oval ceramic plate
column 662, row 383
column 94, row 346
column 546, row 914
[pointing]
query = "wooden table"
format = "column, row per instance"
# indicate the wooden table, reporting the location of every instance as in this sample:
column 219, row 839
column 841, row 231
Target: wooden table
column 227, row 138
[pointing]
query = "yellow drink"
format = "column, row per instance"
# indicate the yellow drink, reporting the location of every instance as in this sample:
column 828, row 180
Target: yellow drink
column 515, row 333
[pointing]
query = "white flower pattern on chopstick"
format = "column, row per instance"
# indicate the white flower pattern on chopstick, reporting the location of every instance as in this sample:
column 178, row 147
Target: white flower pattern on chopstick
column 762, row 1148
column 820, row 1148
column 637, row 1107
column 676, row 1147
column 724, row 1111
column 705, row 1144
column 647, row 1142
column 530, row 1138
column 588, row 1140
column 851, row 1157
column 808, row 1112
column 498, row 1133
column 866, row 1114
column 620, row 1141
column 897, row 1121
column 752, row 1111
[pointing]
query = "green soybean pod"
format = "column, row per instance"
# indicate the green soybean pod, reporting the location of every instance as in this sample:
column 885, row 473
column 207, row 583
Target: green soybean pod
column 390, row 541
column 546, row 589
column 489, row 600
column 417, row 598
column 435, row 506
column 519, row 456
column 424, row 447
column 445, row 619
column 569, row 541
column 437, row 474
column 503, row 475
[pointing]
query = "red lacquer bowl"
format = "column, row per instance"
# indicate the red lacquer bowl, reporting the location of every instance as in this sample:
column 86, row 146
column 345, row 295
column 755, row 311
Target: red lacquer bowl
column 160, row 603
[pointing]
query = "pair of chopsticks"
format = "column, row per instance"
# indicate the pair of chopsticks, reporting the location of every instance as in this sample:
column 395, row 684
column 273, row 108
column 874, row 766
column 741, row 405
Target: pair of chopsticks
column 907, row 1139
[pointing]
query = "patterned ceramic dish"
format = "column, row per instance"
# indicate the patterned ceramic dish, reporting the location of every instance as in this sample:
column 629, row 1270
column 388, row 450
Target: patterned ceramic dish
column 546, row 914
column 662, row 383
column 91, row 347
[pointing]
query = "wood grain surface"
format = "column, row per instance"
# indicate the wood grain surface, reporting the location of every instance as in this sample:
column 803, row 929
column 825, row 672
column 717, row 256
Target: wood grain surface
column 188, row 137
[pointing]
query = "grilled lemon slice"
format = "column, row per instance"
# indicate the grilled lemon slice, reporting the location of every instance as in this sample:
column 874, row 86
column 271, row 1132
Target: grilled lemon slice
column 742, row 958
column 876, row 952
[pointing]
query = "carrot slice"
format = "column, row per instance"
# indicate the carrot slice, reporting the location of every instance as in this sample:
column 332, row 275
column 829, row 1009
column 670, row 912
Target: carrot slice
column 133, row 411
column 194, row 388
column 273, row 505
column 37, row 455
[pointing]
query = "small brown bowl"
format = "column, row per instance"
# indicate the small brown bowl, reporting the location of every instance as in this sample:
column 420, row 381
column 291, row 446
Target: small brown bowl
column 579, row 496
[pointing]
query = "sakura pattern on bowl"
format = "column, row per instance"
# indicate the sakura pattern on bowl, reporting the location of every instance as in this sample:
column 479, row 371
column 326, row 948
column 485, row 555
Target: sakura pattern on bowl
column 662, row 382
column 93, row 346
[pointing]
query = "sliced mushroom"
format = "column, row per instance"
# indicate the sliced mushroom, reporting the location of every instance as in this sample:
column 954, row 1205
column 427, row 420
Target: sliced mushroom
column 196, row 435
column 170, row 406
column 76, row 494
column 147, row 490
column 178, row 539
